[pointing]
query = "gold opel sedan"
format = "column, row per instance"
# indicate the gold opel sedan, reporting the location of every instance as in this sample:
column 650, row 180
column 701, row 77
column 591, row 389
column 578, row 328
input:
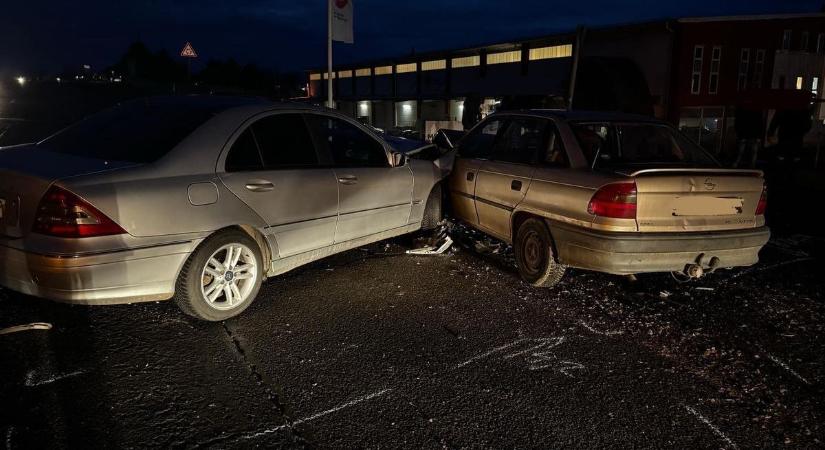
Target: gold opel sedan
column 614, row 193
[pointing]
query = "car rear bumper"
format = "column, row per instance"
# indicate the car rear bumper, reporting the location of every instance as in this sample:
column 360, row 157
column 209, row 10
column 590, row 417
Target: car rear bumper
column 126, row 276
column 629, row 253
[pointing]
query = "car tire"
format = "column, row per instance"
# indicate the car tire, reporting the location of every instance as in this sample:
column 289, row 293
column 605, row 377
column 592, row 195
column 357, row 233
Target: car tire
column 229, row 262
column 535, row 258
column 433, row 210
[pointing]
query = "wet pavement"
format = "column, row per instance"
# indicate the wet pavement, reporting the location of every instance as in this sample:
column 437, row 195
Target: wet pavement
column 376, row 348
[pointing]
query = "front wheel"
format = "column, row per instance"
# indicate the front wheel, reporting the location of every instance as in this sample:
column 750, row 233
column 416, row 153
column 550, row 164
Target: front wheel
column 533, row 246
column 221, row 278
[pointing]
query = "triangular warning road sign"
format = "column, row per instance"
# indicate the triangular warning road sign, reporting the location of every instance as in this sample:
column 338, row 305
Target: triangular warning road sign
column 188, row 51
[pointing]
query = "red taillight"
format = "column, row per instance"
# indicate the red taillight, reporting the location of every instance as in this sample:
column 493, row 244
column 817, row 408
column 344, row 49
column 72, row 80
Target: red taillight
column 763, row 202
column 63, row 214
column 615, row 200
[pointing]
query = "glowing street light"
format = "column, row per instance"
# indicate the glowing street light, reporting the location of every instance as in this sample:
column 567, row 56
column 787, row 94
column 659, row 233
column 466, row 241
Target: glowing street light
column 21, row 80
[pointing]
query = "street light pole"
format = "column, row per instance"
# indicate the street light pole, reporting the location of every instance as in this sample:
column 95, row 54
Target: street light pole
column 329, row 54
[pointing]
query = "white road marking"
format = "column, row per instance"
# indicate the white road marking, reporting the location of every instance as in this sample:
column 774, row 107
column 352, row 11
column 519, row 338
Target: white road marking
column 713, row 427
column 488, row 353
column 319, row 414
column 782, row 364
column 31, row 380
column 603, row 333
column 27, row 327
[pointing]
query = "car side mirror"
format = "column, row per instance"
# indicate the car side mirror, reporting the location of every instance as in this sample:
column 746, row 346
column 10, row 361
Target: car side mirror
column 442, row 141
column 399, row 159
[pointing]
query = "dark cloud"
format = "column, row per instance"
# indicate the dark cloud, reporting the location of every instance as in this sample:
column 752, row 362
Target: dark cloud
column 290, row 35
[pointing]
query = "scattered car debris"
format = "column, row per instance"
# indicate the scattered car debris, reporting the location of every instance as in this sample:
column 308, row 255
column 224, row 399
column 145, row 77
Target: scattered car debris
column 27, row 327
column 432, row 250
column 665, row 294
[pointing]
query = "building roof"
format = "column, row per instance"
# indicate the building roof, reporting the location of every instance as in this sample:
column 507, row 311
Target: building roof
column 580, row 115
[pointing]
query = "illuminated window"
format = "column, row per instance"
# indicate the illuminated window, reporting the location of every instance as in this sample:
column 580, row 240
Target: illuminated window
column 504, row 57
column 815, row 86
column 434, row 65
column 405, row 68
column 696, row 74
column 363, row 72
column 314, row 76
column 383, row 70
column 557, row 51
column 326, row 75
column 799, row 83
column 713, row 79
column 466, row 61
column 345, row 74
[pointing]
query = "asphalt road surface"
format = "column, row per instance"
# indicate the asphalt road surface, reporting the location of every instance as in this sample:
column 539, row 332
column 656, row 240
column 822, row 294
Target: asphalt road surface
column 376, row 348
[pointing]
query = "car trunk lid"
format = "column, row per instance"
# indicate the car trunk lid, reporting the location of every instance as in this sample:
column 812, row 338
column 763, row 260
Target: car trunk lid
column 26, row 172
column 681, row 200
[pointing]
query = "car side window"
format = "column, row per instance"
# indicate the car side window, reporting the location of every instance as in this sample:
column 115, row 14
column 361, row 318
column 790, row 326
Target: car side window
column 348, row 145
column 479, row 143
column 555, row 155
column 244, row 155
column 284, row 142
column 595, row 140
column 521, row 141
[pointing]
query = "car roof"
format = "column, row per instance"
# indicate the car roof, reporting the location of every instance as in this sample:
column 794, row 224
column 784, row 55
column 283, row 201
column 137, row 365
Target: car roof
column 579, row 115
column 220, row 103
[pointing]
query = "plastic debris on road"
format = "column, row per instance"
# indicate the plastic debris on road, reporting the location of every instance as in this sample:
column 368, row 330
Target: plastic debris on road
column 27, row 327
column 432, row 250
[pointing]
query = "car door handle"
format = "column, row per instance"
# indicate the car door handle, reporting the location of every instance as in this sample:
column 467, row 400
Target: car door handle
column 471, row 176
column 259, row 186
column 348, row 179
column 516, row 185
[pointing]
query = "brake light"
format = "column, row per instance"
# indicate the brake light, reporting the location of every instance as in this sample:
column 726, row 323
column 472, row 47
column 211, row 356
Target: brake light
column 615, row 200
column 763, row 202
column 64, row 214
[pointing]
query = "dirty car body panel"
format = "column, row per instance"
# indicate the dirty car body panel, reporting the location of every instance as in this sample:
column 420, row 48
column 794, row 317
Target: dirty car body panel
column 168, row 203
column 553, row 165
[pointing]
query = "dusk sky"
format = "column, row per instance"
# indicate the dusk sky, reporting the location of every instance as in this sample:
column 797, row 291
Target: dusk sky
column 46, row 36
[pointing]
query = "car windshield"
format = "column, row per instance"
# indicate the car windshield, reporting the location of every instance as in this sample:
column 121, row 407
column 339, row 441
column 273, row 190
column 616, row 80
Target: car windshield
column 612, row 145
column 140, row 131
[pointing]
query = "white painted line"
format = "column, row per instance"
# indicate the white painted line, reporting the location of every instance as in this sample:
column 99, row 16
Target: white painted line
column 488, row 353
column 782, row 364
column 713, row 427
column 27, row 327
column 603, row 333
column 318, row 415
column 32, row 382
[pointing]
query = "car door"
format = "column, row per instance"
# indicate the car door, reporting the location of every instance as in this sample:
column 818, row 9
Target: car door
column 472, row 150
column 503, row 180
column 374, row 196
column 273, row 166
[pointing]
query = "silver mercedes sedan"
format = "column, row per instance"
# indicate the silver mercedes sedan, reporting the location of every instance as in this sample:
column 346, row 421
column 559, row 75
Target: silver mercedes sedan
column 199, row 199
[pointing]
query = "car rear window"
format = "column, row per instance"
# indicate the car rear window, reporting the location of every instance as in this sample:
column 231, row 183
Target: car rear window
column 140, row 131
column 609, row 145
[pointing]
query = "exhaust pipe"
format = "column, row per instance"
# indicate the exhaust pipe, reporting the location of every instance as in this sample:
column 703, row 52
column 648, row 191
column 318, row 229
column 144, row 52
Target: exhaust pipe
column 694, row 271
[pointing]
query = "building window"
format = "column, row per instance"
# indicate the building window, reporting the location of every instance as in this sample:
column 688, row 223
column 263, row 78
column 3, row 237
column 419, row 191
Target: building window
column 696, row 75
column 466, row 61
column 803, row 44
column 820, row 43
column 786, row 40
column 715, row 60
column 326, row 75
column 345, row 74
column 383, row 70
column 405, row 68
column 557, row 51
column 744, row 62
column 800, row 81
column 504, row 57
column 314, row 76
column 758, row 68
column 815, row 86
column 439, row 64
column 363, row 72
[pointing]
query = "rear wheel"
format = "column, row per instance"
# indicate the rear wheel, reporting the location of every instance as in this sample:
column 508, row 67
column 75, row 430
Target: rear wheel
column 534, row 254
column 222, row 278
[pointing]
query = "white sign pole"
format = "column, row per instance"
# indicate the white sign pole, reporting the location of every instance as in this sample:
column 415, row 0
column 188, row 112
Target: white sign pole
column 329, row 54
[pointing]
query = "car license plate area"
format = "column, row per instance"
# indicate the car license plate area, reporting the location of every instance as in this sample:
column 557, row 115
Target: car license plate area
column 707, row 206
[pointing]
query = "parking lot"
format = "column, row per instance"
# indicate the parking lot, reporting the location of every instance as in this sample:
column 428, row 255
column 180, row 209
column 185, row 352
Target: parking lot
column 376, row 348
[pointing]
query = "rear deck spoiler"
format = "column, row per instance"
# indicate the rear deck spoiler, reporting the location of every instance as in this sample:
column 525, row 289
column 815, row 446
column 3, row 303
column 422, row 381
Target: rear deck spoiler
column 687, row 171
